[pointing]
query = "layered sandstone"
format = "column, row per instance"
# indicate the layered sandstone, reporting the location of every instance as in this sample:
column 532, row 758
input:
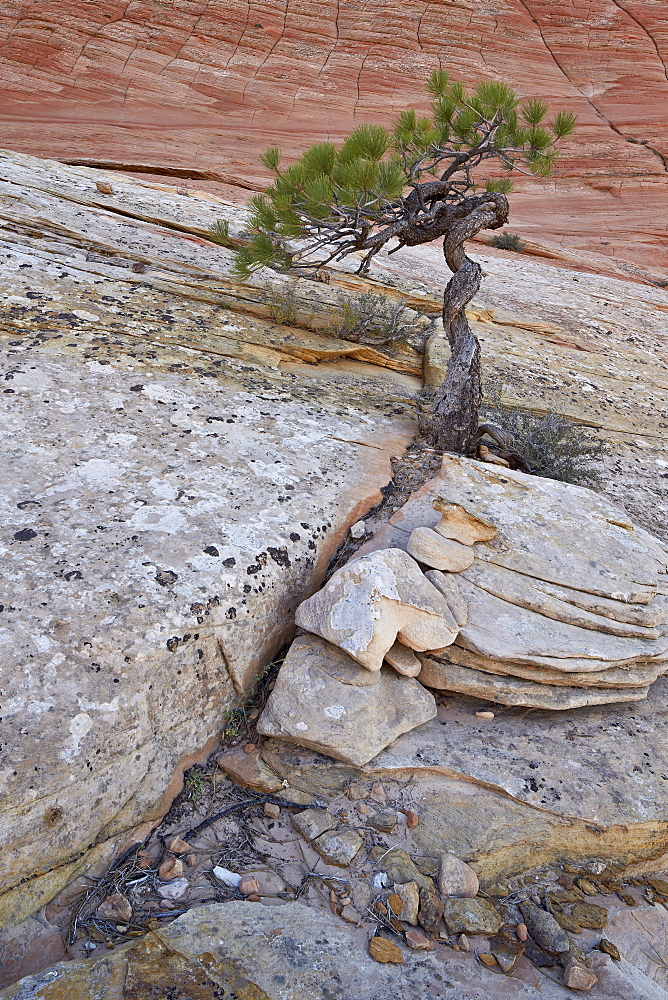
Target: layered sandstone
column 197, row 89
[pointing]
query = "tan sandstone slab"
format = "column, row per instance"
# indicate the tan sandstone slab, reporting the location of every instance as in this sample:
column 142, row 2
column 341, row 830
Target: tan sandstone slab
column 507, row 690
column 324, row 700
column 432, row 549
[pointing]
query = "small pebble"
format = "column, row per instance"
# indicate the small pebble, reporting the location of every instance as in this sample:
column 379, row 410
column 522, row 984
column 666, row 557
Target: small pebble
column 249, row 886
column 362, row 808
column 464, row 942
column 412, row 819
column 521, row 931
column 378, row 793
column 171, row 868
column 253, row 898
column 383, row 950
column 415, row 938
column 395, row 903
column 271, row 810
column 178, row 846
column 485, row 715
column 249, row 748
column 191, row 860
column 253, row 714
column 609, row 949
column 104, row 187
column 487, row 960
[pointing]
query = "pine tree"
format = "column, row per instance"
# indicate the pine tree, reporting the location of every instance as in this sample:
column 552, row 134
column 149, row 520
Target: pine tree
column 415, row 183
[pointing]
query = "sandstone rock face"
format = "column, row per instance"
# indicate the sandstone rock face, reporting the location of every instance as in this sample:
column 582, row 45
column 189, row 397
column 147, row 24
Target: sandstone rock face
column 375, row 600
column 324, row 700
column 154, row 86
column 429, row 547
column 254, row 951
column 175, row 485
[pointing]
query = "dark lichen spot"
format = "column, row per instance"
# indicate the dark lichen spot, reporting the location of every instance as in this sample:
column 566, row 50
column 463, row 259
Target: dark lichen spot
column 231, row 613
column 294, row 537
column 73, row 574
column 279, row 556
column 173, row 643
column 229, row 562
column 166, row 577
column 211, row 550
column 25, row 534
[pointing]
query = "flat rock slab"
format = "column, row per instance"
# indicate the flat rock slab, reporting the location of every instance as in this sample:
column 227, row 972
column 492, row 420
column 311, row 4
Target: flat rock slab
column 291, row 951
column 175, row 483
column 522, row 789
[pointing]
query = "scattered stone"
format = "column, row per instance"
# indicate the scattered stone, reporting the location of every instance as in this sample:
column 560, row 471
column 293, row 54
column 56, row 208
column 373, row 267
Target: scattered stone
column 463, row 943
column 456, row 878
column 171, row 868
column 409, row 895
column 484, row 715
column 383, row 950
column 378, row 793
column 587, row 887
column 224, row 875
column 191, row 860
column 487, row 959
column 437, row 552
column 565, row 920
column 338, row 848
column 417, row 940
column 412, row 819
column 627, row 898
column 250, row 771
column 544, row 929
column 324, row 701
column 395, row 903
column 590, row 915
column 403, row 660
column 175, row 889
column 430, row 914
column 400, row 867
column 271, row 810
column 358, row 530
column 383, row 821
column 253, row 714
column 249, row 748
column 462, row 524
column 373, row 601
column 521, row 931
column 178, row 846
column 610, row 949
column 659, row 885
column 470, row 916
column 506, row 950
column 104, row 187
column 355, row 792
column 499, row 890
column 311, row 823
column 379, row 880
column 115, row 907
column 249, row 886
column 578, row 977
column 253, row 898
column 362, row 808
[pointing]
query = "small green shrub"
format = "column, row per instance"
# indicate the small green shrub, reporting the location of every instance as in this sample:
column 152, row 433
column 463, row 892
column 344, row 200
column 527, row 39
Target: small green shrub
column 194, row 785
column 373, row 319
column 548, row 445
column 282, row 303
column 509, row 241
column 220, row 233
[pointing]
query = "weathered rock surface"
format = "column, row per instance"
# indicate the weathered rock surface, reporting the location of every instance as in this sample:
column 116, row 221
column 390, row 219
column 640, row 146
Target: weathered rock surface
column 324, row 700
column 470, row 916
column 375, row 600
column 403, row 660
column 523, row 790
column 260, row 952
column 437, row 552
column 175, row 486
column 152, row 87
column 456, row 878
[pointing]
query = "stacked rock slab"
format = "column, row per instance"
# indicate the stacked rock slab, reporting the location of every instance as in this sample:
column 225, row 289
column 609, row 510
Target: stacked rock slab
column 567, row 604
column 510, row 588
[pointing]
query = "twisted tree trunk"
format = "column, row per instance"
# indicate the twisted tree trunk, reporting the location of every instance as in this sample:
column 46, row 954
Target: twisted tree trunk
column 453, row 417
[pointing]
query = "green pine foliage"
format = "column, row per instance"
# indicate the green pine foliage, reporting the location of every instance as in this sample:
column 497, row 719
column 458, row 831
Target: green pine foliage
column 334, row 201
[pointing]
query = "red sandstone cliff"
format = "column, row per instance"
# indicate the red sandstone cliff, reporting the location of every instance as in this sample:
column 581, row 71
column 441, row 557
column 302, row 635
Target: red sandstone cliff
column 204, row 85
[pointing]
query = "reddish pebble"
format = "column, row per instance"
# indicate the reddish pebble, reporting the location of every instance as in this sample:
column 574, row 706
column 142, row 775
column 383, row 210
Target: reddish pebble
column 253, row 714
column 416, row 939
column 191, row 860
column 249, row 748
column 412, row 819
column 271, row 810
column 521, row 931
column 249, row 886
column 253, row 898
